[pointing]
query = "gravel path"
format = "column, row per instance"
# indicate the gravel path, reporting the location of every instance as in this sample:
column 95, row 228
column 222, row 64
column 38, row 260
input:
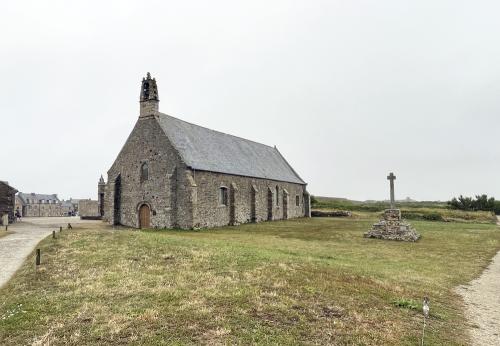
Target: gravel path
column 482, row 300
column 23, row 237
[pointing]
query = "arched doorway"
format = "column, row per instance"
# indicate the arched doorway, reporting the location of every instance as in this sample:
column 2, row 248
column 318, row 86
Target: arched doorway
column 144, row 216
column 269, row 204
column 253, row 204
column 285, row 204
column 117, row 201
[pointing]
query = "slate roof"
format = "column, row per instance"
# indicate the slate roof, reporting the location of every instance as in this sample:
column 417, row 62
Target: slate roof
column 37, row 197
column 209, row 150
column 8, row 186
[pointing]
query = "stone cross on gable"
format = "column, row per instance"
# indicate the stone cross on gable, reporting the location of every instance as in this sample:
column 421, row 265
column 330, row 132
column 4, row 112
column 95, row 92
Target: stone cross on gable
column 391, row 177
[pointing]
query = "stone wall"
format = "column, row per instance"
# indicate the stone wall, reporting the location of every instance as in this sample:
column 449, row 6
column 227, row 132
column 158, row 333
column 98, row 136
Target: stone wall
column 265, row 202
column 88, row 208
column 43, row 210
column 146, row 144
column 7, row 202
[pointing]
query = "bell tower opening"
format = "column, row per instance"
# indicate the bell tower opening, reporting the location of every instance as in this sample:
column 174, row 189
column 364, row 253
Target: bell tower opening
column 149, row 97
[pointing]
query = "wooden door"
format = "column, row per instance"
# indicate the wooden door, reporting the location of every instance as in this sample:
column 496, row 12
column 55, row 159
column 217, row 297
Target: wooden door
column 144, row 217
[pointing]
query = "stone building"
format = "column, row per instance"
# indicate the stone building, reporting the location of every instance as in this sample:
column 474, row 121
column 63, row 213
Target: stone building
column 70, row 206
column 39, row 205
column 7, row 203
column 20, row 206
column 171, row 173
column 67, row 208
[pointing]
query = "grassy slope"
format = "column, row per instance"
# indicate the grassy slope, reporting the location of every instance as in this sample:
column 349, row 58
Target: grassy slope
column 301, row 281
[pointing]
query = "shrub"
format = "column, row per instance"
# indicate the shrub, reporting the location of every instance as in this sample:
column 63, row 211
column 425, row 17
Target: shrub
column 433, row 217
column 406, row 303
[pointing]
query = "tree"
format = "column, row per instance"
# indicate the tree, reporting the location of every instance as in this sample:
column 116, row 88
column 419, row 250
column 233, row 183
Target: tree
column 480, row 202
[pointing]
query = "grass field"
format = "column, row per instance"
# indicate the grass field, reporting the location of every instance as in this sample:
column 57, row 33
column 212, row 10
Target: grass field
column 430, row 211
column 307, row 281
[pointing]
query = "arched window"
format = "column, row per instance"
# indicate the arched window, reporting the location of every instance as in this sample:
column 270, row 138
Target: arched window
column 223, row 195
column 144, row 172
column 277, row 195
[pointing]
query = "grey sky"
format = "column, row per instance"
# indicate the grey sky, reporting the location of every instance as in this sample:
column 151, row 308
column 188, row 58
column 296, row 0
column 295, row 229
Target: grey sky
column 347, row 90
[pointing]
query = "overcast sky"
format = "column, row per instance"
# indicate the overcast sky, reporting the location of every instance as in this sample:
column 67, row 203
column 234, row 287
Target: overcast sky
column 347, row 90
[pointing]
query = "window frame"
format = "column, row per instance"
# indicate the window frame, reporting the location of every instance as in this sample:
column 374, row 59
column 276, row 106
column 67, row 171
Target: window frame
column 297, row 201
column 223, row 196
column 144, row 177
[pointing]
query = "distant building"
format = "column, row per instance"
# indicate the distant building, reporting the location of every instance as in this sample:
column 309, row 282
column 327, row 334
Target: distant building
column 67, row 208
column 70, row 206
column 39, row 205
column 7, row 203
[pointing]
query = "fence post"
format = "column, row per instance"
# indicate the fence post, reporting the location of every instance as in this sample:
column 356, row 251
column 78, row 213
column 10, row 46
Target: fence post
column 60, row 229
column 53, row 234
column 38, row 255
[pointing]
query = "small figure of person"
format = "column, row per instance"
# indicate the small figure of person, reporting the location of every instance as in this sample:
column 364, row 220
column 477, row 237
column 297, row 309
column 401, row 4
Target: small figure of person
column 18, row 215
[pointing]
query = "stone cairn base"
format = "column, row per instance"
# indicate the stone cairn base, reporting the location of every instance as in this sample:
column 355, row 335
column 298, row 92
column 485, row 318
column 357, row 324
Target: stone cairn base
column 392, row 227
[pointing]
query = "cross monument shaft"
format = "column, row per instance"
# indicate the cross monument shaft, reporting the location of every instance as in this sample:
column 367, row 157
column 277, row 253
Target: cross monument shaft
column 391, row 177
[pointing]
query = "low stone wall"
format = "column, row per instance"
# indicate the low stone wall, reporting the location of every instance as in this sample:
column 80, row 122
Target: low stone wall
column 88, row 208
column 331, row 213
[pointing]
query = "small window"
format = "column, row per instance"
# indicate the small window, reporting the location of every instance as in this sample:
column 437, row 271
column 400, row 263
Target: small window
column 297, row 201
column 277, row 195
column 223, row 196
column 144, row 172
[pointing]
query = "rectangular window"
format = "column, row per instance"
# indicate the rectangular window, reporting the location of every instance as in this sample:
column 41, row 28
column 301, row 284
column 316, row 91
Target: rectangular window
column 297, row 201
column 223, row 196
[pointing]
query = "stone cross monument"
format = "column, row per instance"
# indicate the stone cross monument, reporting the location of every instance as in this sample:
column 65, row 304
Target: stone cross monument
column 392, row 226
column 392, row 177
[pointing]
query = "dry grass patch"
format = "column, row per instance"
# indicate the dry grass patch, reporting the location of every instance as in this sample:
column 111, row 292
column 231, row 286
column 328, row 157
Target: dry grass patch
column 310, row 281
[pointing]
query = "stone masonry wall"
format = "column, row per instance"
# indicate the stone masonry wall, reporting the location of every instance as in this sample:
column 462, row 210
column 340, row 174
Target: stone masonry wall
column 146, row 144
column 210, row 212
column 88, row 208
column 7, row 202
column 44, row 210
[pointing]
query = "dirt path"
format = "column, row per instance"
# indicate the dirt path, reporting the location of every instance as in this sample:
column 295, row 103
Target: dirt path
column 22, row 239
column 482, row 299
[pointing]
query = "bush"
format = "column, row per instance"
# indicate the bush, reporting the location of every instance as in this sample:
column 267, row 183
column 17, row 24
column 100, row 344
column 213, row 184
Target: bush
column 480, row 202
column 433, row 217
column 496, row 208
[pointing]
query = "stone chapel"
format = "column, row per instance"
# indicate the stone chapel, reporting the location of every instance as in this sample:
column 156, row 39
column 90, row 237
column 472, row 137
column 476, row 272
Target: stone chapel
column 174, row 174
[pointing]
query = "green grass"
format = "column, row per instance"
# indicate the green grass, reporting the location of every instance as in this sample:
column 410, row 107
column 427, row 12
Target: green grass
column 430, row 211
column 307, row 281
column 372, row 206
